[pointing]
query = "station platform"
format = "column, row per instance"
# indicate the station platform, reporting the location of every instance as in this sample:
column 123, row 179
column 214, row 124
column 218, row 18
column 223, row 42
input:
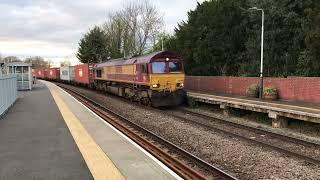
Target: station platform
column 277, row 110
column 48, row 134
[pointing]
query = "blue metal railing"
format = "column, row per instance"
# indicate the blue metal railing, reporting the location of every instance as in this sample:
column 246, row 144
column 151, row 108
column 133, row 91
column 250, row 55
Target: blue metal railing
column 8, row 92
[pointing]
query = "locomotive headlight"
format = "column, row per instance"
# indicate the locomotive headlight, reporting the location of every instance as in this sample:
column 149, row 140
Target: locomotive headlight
column 180, row 85
column 156, row 85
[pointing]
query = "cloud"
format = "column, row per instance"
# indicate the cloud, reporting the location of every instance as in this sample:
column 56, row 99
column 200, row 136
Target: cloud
column 52, row 28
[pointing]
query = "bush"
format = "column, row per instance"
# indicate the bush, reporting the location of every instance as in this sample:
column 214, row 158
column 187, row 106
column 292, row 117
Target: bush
column 270, row 93
column 253, row 90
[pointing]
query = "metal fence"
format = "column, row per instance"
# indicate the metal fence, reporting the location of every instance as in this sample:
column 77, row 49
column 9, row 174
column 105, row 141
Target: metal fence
column 8, row 92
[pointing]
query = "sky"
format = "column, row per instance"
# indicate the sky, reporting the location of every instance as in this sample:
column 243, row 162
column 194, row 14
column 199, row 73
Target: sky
column 53, row 28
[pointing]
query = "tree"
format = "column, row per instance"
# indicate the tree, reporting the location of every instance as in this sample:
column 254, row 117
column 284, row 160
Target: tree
column 211, row 40
column 133, row 29
column 288, row 23
column 93, row 47
column 65, row 63
column 37, row 62
column 11, row 59
column 164, row 41
column 114, row 29
column 223, row 38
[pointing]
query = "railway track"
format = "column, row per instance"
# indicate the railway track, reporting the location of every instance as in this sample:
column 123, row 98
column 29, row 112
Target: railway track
column 162, row 149
column 258, row 136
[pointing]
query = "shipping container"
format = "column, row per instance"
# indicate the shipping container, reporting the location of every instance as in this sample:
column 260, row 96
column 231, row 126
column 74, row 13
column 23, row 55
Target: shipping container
column 46, row 73
column 54, row 73
column 83, row 73
column 67, row 73
column 40, row 73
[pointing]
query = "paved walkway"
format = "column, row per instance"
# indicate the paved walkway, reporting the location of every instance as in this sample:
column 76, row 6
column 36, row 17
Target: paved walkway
column 35, row 143
column 48, row 134
column 126, row 156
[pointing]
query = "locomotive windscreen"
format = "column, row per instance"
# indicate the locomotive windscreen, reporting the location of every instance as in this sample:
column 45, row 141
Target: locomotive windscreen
column 175, row 67
column 166, row 67
column 159, row 67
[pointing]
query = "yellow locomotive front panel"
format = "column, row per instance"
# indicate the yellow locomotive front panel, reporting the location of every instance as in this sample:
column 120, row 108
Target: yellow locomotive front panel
column 167, row 82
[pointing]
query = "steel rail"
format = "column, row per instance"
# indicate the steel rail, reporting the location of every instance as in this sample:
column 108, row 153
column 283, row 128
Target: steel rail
column 257, row 130
column 134, row 132
column 279, row 149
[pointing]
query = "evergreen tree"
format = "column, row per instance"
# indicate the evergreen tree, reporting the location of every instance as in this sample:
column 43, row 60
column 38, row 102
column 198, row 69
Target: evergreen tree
column 93, row 47
column 223, row 38
column 212, row 38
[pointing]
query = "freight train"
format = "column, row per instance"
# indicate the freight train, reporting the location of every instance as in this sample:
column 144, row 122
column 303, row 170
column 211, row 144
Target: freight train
column 156, row 79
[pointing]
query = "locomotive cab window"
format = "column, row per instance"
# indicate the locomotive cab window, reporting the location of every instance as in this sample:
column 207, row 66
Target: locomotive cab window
column 99, row 72
column 175, row 67
column 159, row 67
column 144, row 68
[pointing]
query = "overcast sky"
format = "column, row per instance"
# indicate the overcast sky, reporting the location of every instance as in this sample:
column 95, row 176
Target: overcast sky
column 52, row 28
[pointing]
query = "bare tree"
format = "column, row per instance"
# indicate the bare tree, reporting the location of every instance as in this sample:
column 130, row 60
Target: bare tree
column 114, row 29
column 133, row 29
column 11, row 59
column 65, row 63
column 37, row 62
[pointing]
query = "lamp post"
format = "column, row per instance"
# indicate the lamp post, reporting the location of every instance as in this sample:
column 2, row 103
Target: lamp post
column 261, row 63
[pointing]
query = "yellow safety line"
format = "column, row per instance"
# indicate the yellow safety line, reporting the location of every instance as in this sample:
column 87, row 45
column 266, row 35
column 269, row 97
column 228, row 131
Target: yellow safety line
column 292, row 106
column 99, row 164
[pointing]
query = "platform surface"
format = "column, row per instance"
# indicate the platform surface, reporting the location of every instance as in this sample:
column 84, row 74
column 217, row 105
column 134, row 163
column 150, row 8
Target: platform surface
column 48, row 134
column 35, row 143
column 131, row 161
column 311, row 110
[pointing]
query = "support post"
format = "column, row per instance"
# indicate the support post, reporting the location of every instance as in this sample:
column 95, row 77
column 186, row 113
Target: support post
column 278, row 121
column 225, row 110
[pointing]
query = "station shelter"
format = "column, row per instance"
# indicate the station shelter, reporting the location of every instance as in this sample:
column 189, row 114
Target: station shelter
column 23, row 73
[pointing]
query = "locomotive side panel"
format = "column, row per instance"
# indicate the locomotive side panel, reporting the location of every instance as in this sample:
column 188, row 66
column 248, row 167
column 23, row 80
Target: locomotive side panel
column 123, row 74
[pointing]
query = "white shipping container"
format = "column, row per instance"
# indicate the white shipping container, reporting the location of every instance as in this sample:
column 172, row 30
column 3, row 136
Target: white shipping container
column 67, row 73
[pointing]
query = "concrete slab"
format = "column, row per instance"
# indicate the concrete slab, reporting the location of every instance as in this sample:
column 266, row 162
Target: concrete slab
column 130, row 160
column 293, row 110
column 35, row 143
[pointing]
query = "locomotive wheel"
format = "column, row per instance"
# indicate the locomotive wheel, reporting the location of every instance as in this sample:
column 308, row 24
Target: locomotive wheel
column 149, row 103
column 145, row 101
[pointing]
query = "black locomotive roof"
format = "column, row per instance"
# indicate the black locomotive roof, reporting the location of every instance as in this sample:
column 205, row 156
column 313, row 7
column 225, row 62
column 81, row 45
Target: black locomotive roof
column 140, row 59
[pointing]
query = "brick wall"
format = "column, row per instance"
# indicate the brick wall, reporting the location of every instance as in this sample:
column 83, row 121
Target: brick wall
column 292, row 88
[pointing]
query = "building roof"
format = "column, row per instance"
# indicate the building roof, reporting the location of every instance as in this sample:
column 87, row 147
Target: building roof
column 18, row 64
column 140, row 59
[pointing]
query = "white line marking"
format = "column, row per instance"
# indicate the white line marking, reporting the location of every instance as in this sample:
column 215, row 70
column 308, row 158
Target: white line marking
column 128, row 139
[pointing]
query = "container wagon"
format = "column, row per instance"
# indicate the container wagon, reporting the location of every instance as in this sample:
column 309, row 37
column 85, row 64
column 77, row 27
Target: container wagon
column 83, row 74
column 67, row 73
column 46, row 73
column 54, row 74
column 40, row 73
